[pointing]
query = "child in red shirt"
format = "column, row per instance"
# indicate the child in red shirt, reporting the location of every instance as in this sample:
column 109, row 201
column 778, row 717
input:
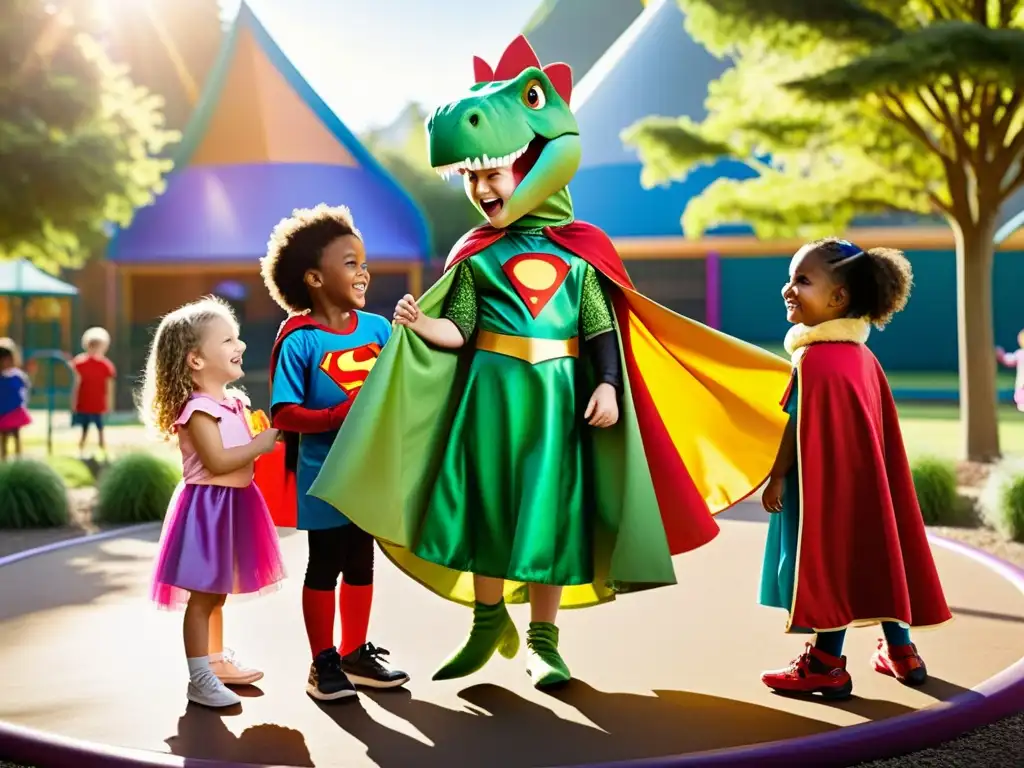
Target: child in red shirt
column 93, row 393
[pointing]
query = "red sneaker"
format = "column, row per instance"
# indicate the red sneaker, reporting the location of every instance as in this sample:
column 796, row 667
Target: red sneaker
column 812, row 672
column 901, row 662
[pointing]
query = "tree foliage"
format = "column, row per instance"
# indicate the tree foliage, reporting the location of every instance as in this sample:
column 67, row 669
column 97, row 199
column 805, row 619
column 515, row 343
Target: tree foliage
column 78, row 138
column 860, row 106
column 170, row 47
column 848, row 107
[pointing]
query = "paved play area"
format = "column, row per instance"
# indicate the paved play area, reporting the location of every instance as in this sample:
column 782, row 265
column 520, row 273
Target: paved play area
column 87, row 663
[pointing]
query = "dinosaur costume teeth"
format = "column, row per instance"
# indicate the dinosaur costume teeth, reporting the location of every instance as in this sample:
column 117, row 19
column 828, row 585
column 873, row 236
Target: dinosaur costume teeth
column 481, row 163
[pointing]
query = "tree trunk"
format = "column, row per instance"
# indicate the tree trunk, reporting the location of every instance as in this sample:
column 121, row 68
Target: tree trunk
column 979, row 418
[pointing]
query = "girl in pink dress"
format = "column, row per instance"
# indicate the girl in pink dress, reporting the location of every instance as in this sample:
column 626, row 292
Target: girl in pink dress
column 218, row 538
column 14, row 390
column 1015, row 360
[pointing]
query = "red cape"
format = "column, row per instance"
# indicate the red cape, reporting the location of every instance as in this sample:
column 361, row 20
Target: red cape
column 863, row 551
column 685, row 515
column 275, row 471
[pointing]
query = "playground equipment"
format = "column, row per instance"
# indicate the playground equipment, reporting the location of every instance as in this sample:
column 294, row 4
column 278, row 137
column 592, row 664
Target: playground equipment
column 35, row 308
column 50, row 359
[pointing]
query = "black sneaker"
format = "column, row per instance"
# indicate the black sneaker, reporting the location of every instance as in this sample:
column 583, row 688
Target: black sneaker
column 363, row 667
column 327, row 681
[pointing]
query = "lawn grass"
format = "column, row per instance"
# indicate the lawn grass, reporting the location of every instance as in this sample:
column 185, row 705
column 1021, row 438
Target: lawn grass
column 949, row 380
column 123, row 435
column 73, row 472
column 934, row 430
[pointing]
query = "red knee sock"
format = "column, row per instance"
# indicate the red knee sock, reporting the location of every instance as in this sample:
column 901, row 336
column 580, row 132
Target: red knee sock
column 354, row 605
column 318, row 612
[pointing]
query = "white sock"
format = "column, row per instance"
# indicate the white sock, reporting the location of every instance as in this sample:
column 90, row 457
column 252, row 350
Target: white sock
column 197, row 665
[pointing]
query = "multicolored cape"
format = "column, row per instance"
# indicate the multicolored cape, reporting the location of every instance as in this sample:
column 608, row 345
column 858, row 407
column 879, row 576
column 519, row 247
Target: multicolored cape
column 862, row 550
column 703, row 437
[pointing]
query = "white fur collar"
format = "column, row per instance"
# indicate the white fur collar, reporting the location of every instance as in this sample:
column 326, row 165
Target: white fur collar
column 849, row 329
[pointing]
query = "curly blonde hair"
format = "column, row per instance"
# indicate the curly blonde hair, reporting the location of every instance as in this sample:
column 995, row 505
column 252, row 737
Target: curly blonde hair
column 168, row 384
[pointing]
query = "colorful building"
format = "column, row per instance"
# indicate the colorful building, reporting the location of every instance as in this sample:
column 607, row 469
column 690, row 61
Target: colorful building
column 260, row 143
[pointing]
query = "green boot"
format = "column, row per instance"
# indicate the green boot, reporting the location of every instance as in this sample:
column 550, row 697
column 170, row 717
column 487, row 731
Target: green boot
column 543, row 661
column 492, row 631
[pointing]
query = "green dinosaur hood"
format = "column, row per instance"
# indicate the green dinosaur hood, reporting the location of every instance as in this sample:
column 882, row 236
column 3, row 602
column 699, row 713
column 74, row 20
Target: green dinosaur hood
column 518, row 116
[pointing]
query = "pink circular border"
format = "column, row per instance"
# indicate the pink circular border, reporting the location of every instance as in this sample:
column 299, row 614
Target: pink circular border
column 998, row 697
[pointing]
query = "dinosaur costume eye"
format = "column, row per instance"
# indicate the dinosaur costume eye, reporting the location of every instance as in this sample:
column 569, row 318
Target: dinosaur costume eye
column 533, row 95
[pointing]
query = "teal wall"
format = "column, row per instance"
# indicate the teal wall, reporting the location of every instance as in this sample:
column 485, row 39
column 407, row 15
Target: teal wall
column 921, row 338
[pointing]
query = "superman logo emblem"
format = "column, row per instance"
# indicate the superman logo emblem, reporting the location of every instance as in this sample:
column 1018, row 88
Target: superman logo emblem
column 348, row 368
column 536, row 278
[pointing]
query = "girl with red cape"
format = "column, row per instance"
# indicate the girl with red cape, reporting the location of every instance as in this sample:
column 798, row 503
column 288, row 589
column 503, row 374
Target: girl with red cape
column 846, row 543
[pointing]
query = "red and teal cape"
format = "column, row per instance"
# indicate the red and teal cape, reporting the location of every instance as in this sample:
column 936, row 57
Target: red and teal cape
column 699, row 429
column 862, row 553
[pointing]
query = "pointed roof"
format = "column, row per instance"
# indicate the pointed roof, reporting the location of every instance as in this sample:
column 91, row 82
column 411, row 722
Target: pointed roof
column 578, row 32
column 625, row 85
column 628, row 83
column 260, row 143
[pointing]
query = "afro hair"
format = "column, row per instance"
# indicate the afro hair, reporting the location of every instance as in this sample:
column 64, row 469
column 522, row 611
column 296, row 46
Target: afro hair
column 295, row 247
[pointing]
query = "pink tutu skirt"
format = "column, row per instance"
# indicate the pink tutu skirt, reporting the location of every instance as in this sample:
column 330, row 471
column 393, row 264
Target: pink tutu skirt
column 218, row 540
column 1018, row 398
column 14, row 420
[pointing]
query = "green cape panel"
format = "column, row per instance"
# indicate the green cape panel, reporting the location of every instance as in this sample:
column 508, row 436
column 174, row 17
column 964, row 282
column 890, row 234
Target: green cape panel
column 382, row 466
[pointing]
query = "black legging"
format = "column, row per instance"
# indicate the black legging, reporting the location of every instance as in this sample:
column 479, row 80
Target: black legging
column 345, row 551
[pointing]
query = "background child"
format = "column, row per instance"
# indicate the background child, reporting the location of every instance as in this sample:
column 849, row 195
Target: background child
column 218, row 538
column 92, row 395
column 316, row 270
column 848, row 545
column 1015, row 360
column 14, row 394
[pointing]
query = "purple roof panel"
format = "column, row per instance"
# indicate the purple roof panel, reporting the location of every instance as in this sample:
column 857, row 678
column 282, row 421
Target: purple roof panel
column 226, row 213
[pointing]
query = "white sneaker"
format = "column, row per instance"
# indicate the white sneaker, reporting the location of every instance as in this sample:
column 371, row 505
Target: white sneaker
column 207, row 690
column 230, row 671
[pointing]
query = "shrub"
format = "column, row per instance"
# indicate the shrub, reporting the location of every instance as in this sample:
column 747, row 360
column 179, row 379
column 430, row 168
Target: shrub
column 33, row 495
column 136, row 488
column 935, row 483
column 1002, row 499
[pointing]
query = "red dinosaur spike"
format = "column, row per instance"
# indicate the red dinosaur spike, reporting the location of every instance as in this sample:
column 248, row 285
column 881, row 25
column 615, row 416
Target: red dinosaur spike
column 482, row 70
column 560, row 75
column 518, row 56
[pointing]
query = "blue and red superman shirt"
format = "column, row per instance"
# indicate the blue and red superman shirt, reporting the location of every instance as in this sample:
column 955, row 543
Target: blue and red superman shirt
column 320, row 368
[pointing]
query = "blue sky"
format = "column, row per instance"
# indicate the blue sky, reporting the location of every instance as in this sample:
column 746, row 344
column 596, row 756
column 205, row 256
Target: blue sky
column 368, row 58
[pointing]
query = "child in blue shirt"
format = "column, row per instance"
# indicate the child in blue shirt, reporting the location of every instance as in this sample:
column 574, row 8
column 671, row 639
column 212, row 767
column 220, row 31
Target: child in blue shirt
column 316, row 270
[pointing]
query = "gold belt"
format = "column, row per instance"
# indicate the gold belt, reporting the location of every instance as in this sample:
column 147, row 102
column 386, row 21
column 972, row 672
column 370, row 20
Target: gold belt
column 532, row 351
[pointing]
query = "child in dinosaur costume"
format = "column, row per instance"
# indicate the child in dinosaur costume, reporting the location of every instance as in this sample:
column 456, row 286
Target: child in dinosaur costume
column 491, row 463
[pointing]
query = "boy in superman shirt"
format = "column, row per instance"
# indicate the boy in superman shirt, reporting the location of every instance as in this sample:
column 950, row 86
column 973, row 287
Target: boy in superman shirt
column 316, row 270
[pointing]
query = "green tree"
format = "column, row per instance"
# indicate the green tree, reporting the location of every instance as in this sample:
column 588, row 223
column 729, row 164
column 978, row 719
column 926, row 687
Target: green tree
column 77, row 139
column 863, row 106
